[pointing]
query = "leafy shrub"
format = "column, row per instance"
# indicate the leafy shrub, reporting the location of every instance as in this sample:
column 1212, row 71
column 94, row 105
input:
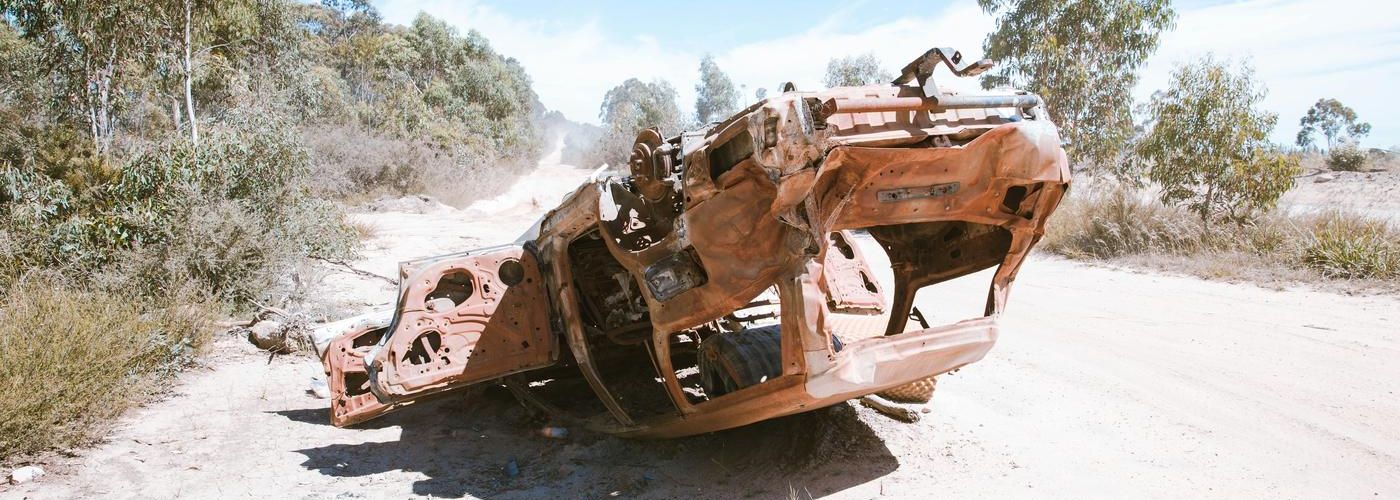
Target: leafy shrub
column 231, row 214
column 1207, row 143
column 353, row 163
column 1346, row 157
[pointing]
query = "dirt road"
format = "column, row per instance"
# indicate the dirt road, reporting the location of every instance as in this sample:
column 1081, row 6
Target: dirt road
column 1105, row 383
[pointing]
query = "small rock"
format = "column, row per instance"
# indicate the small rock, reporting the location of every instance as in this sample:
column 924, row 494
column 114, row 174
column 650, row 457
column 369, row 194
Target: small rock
column 26, row 474
column 1325, row 178
column 268, row 336
column 925, row 410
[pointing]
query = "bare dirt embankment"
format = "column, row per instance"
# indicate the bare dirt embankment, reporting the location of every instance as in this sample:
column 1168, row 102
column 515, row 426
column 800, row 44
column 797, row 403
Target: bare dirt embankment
column 1105, row 383
column 1374, row 193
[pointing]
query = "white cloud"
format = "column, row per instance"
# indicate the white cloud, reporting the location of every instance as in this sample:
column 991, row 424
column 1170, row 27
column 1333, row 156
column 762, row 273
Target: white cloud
column 1302, row 50
column 572, row 65
column 802, row 58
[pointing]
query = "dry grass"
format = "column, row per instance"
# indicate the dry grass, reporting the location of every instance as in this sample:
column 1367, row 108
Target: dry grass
column 1123, row 225
column 363, row 230
column 71, row 360
column 1341, row 245
column 1118, row 222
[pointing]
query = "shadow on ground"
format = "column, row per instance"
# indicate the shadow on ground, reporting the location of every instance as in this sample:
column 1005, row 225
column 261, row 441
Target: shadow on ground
column 464, row 445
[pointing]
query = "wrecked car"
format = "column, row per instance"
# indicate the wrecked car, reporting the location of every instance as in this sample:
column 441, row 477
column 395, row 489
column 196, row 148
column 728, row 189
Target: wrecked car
column 718, row 281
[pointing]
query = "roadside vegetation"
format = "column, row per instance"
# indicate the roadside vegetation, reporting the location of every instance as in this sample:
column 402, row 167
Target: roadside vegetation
column 1125, row 225
column 167, row 165
column 1188, row 181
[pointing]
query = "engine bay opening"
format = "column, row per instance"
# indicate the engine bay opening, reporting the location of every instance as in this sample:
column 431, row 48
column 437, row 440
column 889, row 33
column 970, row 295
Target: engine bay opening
column 907, row 259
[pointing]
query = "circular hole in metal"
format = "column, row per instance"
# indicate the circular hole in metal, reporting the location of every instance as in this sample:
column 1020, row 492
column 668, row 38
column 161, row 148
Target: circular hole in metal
column 511, row 272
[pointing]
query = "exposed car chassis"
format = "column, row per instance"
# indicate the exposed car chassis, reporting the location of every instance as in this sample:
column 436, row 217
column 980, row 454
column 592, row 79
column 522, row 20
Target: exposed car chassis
column 718, row 284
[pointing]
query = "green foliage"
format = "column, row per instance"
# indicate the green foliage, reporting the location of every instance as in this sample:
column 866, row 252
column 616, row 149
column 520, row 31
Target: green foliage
column 232, row 214
column 312, row 66
column 1334, row 121
column 1207, row 146
column 91, row 46
column 428, row 82
column 852, row 71
column 715, row 95
column 1082, row 57
column 120, row 232
column 445, row 98
column 628, row 109
column 72, row 360
column 1347, row 157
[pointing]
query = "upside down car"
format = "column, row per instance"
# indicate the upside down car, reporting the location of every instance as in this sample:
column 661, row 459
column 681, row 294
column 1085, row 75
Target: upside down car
column 717, row 282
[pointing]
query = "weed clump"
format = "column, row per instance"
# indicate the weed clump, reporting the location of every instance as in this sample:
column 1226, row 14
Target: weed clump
column 1122, row 222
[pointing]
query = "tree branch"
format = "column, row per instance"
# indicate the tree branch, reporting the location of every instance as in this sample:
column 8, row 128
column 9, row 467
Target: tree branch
column 354, row 270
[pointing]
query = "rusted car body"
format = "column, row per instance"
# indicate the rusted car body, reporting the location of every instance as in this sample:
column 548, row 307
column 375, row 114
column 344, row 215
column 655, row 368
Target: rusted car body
column 718, row 284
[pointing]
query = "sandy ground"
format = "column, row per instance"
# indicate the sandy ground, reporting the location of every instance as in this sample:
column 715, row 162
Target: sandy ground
column 1374, row 193
column 1105, row 383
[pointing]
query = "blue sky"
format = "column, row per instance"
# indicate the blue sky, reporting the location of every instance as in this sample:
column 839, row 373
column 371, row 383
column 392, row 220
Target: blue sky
column 575, row 51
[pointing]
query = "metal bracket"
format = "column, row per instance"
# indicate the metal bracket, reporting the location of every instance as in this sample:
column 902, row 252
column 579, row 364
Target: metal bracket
column 921, row 68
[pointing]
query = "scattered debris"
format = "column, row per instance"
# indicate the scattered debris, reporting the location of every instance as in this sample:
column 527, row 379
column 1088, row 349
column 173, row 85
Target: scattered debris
column 319, row 388
column 26, row 474
column 554, row 432
column 354, row 270
column 414, row 204
column 890, row 408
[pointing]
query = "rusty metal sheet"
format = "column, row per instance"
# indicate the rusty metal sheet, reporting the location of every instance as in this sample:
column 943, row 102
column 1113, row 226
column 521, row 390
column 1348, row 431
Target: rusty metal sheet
column 742, row 228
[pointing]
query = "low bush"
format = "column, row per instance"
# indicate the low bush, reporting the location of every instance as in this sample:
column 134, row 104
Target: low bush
column 1346, row 157
column 1341, row 245
column 355, row 164
column 232, row 215
column 72, row 359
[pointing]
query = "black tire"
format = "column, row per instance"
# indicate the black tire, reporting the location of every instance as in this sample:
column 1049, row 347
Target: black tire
column 735, row 360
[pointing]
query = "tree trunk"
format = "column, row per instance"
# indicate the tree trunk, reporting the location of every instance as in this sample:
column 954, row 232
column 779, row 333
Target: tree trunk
column 189, row 75
column 1210, row 202
column 90, row 101
column 104, row 99
column 176, row 113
